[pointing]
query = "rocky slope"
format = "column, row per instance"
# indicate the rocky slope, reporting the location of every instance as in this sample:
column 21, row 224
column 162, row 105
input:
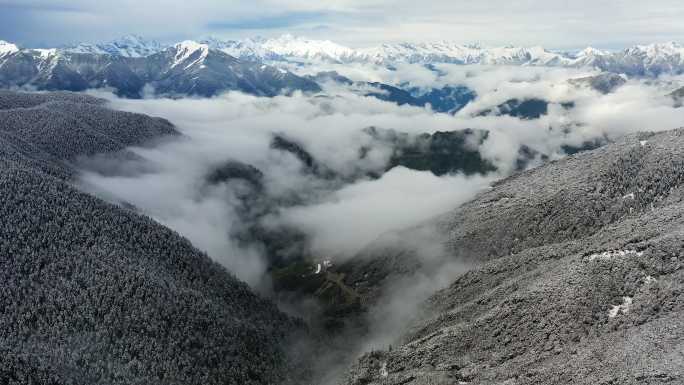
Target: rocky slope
column 577, row 278
column 96, row 294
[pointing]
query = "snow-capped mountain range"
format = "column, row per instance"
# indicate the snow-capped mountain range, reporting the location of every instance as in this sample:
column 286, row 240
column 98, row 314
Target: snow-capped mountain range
column 210, row 66
column 640, row 60
column 185, row 68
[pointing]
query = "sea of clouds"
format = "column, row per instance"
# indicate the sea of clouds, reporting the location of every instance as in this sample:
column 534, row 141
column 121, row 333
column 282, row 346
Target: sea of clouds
column 341, row 216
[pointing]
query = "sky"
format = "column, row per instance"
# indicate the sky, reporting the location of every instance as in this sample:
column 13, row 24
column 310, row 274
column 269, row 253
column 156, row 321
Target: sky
column 555, row 24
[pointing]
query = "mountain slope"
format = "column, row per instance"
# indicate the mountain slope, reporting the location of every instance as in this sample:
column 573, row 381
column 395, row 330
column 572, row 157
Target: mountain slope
column 96, row 294
column 192, row 68
column 53, row 130
column 578, row 277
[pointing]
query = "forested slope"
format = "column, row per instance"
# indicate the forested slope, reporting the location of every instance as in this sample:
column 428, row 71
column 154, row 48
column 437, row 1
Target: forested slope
column 52, row 130
column 578, row 278
column 95, row 294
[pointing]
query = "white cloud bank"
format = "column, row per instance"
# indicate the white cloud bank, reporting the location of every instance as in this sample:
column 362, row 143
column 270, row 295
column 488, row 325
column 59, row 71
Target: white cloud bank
column 357, row 214
column 341, row 218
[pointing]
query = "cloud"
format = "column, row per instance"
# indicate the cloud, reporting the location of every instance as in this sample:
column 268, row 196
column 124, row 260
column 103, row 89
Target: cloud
column 339, row 217
column 171, row 184
column 555, row 24
column 206, row 221
column 271, row 22
column 357, row 214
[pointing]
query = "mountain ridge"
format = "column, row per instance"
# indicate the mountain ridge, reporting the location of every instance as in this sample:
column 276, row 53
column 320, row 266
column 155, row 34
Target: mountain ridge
column 187, row 68
column 639, row 60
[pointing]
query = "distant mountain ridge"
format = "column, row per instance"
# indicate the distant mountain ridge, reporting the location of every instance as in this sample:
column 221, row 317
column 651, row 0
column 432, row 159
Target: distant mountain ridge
column 126, row 46
column 186, row 68
column 639, row 60
column 133, row 66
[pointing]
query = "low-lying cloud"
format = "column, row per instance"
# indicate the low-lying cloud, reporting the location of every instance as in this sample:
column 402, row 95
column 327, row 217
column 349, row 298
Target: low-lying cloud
column 355, row 200
column 340, row 216
column 357, row 214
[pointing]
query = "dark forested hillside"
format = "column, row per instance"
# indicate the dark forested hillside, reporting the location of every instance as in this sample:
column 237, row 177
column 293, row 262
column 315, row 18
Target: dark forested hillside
column 68, row 125
column 95, row 294
column 52, row 130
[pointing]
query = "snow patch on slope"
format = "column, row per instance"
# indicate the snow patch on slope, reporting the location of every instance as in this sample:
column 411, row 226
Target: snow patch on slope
column 46, row 53
column 383, row 370
column 188, row 49
column 622, row 308
column 613, row 254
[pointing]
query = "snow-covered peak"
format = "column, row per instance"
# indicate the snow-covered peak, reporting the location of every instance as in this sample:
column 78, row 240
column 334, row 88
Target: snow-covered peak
column 285, row 46
column 190, row 46
column 46, row 53
column 85, row 48
column 291, row 46
column 590, row 52
column 521, row 55
column 7, row 48
column 449, row 52
column 422, row 52
column 189, row 49
column 127, row 46
column 663, row 48
column 657, row 51
column 132, row 46
column 656, row 58
column 251, row 49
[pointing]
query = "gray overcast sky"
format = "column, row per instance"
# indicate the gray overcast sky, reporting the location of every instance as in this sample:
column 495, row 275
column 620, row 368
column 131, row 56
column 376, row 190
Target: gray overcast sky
column 558, row 24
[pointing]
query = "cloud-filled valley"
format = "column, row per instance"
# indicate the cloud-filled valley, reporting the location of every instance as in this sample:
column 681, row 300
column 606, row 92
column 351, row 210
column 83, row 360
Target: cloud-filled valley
column 264, row 184
column 332, row 127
